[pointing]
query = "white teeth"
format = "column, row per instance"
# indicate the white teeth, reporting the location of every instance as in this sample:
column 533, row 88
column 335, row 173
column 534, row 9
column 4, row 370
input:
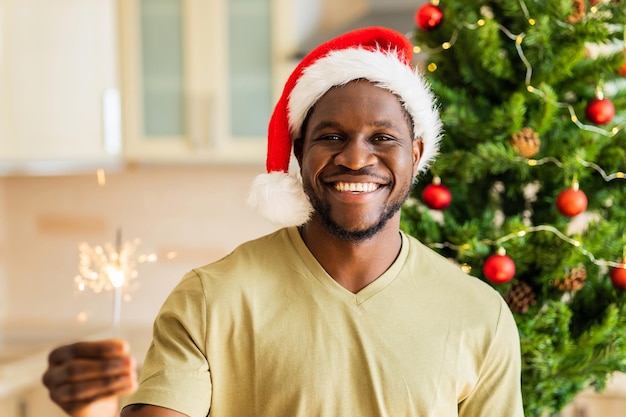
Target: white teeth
column 357, row 187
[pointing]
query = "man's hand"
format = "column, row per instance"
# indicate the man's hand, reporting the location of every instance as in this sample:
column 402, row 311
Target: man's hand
column 86, row 379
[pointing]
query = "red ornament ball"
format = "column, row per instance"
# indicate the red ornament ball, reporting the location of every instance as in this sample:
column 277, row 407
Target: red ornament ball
column 571, row 202
column 436, row 196
column 618, row 277
column 499, row 269
column 622, row 70
column 600, row 111
column 428, row 17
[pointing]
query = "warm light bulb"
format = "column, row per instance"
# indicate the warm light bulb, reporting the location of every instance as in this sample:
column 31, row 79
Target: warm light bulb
column 101, row 177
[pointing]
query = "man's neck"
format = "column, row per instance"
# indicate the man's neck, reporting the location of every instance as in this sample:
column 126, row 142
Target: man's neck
column 354, row 265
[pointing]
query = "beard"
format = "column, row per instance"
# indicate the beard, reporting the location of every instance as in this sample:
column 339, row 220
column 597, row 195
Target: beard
column 323, row 212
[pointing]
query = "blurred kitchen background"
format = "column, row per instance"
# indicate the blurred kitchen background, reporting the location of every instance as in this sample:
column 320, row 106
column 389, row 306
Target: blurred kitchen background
column 144, row 119
column 147, row 116
column 134, row 119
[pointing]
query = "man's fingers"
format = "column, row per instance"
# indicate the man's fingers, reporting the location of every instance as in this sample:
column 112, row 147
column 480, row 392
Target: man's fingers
column 91, row 374
column 109, row 348
column 86, row 369
column 93, row 389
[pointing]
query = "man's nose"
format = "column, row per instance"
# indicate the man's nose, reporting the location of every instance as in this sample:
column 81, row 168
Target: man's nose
column 355, row 154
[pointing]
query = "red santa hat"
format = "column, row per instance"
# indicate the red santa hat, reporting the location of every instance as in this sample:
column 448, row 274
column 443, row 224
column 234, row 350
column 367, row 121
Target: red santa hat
column 379, row 55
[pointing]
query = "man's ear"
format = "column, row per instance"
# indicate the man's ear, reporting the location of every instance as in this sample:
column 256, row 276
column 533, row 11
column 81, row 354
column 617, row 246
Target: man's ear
column 297, row 149
column 418, row 150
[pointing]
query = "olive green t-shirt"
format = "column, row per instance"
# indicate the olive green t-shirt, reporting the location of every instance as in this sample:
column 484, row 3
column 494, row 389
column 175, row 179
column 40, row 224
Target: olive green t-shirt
column 267, row 332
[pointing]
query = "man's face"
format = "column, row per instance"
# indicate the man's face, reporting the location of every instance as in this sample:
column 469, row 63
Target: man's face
column 357, row 159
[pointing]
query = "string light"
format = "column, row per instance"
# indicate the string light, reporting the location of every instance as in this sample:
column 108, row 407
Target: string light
column 533, row 229
column 546, row 228
column 525, row 10
column 602, row 172
column 518, row 40
column 542, row 161
column 453, row 38
column 607, row 178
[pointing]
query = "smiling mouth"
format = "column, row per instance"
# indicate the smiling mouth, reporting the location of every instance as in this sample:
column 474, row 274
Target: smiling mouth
column 357, row 187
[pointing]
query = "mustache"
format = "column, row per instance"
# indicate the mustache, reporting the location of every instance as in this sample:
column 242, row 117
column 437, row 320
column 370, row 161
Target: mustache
column 364, row 171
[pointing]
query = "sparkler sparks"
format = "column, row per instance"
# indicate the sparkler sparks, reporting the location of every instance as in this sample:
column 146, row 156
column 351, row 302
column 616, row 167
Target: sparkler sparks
column 110, row 267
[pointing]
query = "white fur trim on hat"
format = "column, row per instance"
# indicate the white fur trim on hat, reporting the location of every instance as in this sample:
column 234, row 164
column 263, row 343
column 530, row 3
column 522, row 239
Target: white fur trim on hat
column 280, row 198
column 385, row 70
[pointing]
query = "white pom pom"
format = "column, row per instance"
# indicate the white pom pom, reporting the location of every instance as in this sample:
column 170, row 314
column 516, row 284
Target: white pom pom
column 280, row 198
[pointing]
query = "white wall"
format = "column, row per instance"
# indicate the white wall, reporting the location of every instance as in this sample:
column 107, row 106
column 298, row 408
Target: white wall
column 3, row 254
column 199, row 213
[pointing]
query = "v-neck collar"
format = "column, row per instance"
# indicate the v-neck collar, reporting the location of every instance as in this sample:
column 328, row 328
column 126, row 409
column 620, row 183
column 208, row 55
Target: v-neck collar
column 320, row 274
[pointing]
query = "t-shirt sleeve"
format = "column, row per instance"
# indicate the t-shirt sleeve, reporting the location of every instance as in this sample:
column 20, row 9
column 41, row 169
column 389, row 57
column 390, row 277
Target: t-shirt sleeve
column 497, row 392
column 175, row 373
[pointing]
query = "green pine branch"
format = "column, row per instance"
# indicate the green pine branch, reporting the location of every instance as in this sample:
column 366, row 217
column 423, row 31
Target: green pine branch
column 510, row 65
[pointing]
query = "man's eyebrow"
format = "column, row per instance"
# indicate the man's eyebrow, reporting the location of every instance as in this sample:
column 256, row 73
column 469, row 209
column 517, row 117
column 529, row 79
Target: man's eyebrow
column 385, row 123
column 325, row 124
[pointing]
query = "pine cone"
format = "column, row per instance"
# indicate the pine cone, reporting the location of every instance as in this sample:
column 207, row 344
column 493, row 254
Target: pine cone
column 574, row 280
column 578, row 11
column 520, row 297
column 526, row 142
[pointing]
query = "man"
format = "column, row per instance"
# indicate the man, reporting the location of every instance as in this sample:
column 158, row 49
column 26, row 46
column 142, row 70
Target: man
column 338, row 313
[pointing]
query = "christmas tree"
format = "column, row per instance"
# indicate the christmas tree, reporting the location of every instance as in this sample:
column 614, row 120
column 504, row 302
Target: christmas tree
column 528, row 192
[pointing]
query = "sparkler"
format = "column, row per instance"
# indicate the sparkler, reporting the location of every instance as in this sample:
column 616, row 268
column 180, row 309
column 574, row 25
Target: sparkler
column 110, row 267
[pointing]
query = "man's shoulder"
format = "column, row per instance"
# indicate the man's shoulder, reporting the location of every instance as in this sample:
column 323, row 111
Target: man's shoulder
column 251, row 258
column 256, row 248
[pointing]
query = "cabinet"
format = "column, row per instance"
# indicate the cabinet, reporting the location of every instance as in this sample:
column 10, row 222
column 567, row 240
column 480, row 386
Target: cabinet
column 59, row 84
column 199, row 77
column 86, row 84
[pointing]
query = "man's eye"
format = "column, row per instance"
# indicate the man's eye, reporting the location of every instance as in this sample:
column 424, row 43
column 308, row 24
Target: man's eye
column 331, row 137
column 382, row 138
